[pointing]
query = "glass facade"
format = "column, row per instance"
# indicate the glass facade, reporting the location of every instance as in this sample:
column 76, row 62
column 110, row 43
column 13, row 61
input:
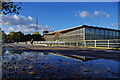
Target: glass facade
column 84, row 33
column 49, row 37
column 74, row 35
column 118, row 34
column 100, row 34
column 110, row 34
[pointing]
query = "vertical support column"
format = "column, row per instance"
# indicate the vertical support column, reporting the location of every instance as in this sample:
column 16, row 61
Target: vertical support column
column 95, row 43
column 95, row 35
column 85, row 42
column 64, row 43
column 70, row 43
column 108, row 43
column 76, row 43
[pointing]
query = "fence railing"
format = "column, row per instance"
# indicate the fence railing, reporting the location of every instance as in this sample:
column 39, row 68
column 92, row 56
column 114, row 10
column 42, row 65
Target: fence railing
column 90, row 43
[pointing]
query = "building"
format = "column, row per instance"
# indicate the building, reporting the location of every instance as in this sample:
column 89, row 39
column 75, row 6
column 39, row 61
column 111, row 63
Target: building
column 83, row 32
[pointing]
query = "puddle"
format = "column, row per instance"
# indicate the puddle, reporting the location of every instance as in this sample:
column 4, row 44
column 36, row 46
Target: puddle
column 56, row 65
column 115, row 51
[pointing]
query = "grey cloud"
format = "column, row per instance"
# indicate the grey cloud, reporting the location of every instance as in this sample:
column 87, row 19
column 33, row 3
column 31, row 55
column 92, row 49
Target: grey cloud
column 16, row 20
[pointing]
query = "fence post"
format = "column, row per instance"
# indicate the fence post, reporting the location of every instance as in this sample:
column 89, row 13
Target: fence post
column 64, row 43
column 108, row 43
column 76, row 43
column 95, row 43
column 70, row 43
column 85, row 43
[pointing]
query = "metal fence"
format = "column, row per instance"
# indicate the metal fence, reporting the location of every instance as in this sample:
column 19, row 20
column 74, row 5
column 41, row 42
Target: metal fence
column 90, row 43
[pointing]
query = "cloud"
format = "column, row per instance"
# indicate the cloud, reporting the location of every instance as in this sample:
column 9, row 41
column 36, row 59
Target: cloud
column 41, row 28
column 16, row 17
column 85, row 14
column 10, row 28
column 30, row 18
column 16, row 20
column 21, row 23
column 113, row 24
column 24, row 29
column 101, row 14
column 75, row 14
column 27, row 28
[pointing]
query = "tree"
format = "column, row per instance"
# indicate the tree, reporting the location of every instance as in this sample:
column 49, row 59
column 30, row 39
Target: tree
column 12, row 35
column 36, row 33
column 16, row 36
column 4, row 36
column 10, row 7
column 19, row 36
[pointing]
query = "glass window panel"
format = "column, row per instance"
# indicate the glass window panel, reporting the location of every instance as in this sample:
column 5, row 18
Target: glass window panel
column 113, row 33
column 117, row 33
column 87, row 30
column 106, row 32
column 97, row 31
column 102, row 32
column 110, row 32
column 92, row 31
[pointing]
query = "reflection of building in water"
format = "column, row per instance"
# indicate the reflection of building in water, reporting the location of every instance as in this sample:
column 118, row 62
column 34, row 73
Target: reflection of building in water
column 76, row 57
column 45, row 53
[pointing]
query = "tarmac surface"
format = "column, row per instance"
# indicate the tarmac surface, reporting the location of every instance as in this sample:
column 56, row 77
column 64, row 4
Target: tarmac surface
column 63, row 49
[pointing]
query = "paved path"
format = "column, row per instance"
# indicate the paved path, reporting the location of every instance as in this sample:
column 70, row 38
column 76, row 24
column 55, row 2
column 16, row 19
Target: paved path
column 62, row 49
column 12, row 46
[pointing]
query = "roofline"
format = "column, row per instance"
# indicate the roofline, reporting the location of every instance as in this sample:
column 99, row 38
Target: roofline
column 52, row 33
column 64, row 29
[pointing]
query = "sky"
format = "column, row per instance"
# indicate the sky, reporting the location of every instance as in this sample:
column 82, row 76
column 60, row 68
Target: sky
column 55, row 16
column 66, row 0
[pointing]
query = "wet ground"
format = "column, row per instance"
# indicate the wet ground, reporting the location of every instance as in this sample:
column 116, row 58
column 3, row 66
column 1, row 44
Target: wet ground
column 24, row 64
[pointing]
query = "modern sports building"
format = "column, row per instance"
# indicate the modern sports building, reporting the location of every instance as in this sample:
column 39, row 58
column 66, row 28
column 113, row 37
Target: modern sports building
column 82, row 32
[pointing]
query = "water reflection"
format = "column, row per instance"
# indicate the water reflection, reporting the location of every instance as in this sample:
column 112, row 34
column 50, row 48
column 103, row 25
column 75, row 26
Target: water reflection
column 116, row 51
column 56, row 65
column 45, row 53
column 77, row 57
